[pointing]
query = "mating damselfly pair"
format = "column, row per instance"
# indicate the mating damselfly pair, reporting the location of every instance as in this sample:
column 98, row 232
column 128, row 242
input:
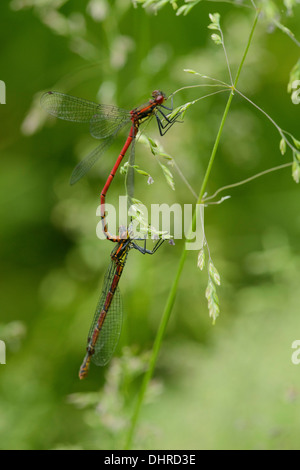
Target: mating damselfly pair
column 105, row 122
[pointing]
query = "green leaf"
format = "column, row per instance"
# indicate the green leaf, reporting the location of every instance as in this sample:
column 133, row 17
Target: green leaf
column 270, row 10
column 201, row 259
column 214, row 312
column 296, row 171
column 209, row 290
column 185, row 9
column 148, row 141
column 290, row 4
column 166, row 156
column 213, row 26
column 152, row 142
column 141, row 172
column 177, row 111
column 296, row 143
column 153, row 146
column 214, row 273
column 294, row 76
column 136, row 202
column 189, row 71
column 282, row 146
column 181, row 110
column 215, row 18
column 168, row 175
column 217, row 39
column 212, row 301
column 161, row 4
column 124, row 169
column 295, row 96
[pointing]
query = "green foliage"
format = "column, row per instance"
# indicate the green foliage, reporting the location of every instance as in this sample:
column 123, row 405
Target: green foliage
column 158, row 151
column 215, row 25
column 236, row 377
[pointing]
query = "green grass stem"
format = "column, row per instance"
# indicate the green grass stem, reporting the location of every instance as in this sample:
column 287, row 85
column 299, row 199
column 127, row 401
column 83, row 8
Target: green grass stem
column 172, row 295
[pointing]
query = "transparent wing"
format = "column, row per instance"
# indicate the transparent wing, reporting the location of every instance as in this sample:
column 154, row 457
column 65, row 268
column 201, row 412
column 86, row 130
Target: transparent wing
column 108, row 121
column 105, row 119
column 110, row 332
column 85, row 165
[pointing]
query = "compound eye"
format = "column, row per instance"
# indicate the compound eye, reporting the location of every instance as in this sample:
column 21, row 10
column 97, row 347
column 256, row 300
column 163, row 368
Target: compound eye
column 159, row 96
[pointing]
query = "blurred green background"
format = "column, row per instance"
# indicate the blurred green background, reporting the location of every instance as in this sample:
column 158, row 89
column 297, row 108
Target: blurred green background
column 231, row 385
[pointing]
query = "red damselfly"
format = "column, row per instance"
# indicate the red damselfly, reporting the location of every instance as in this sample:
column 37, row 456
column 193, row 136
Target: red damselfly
column 106, row 326
column 105, row 122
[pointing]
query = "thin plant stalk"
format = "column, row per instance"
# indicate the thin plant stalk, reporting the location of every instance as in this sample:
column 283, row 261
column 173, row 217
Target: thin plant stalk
column 171, row 299
column 247, row 180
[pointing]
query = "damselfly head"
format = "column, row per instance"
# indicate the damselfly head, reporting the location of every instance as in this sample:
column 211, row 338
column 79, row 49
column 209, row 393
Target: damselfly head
column 159, row 96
